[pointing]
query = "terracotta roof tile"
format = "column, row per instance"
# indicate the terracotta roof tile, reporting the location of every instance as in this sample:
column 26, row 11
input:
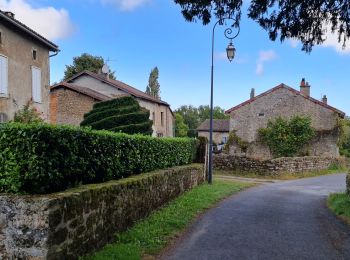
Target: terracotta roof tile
column 219, row 125
column 82, row 90
column 342, row 114
column 120, row 85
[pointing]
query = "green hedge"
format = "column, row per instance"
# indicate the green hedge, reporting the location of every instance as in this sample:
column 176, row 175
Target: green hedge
column 121, row 120
column 39, row 159
column 107, row 113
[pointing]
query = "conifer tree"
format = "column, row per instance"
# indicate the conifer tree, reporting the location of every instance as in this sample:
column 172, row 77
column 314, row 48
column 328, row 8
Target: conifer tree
column 153, row 87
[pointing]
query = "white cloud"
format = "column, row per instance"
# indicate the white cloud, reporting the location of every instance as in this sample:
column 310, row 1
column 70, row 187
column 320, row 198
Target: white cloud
column 264, row 56
column 126, row 5
column 332, row 42
column 293, row 43
column 49, row 22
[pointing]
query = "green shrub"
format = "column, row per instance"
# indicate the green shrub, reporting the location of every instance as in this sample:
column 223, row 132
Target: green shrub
column 119, row 115
column 43, row 159
column 27, row 115
column 107, row 113
column 286, row 138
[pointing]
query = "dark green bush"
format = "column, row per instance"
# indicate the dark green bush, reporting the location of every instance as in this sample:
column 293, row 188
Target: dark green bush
column 107, row 113
column 39, row 159
column 112, row 122
column 119, row 115
column 286, row 138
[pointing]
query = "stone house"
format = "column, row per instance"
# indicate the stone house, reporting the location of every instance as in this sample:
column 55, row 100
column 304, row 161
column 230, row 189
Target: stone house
column 24, row 68
column 286, row 102
column 71, row 99
column 221, row 130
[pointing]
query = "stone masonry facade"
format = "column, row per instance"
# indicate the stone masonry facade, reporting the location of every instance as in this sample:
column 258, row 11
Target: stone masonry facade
column 275, row 167
column 69, row 108
column 76, row 222
column 285, row 102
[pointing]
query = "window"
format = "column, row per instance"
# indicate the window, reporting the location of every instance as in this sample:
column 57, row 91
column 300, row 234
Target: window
column 3, row 118
column 159, row 134
column 34, row 54
column 261, row 114
column 162, row 118
column 3, row 75
column 224, row 139
column 36, row 84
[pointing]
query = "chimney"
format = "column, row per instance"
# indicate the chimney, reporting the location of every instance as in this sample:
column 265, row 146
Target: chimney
column 252, row 93
column 305, row 88
column 10, row 14
column 324, row 99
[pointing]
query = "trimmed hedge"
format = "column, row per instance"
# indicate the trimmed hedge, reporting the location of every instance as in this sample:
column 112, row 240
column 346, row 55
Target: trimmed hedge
column 119, row 115
column 107, row 113
column 40, row 159
column 121, row 120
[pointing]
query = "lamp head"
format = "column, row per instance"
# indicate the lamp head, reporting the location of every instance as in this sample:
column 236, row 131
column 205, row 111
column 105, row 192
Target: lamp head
column 230, row 50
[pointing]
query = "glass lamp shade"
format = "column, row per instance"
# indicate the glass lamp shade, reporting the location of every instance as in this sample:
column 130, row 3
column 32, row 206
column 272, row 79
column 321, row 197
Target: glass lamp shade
column 230, row 50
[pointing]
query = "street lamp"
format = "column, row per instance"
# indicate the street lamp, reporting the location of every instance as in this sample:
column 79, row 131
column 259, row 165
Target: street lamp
column 230, row 51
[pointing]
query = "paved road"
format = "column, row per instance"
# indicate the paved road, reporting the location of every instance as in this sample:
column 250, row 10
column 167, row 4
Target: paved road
column 286, row 220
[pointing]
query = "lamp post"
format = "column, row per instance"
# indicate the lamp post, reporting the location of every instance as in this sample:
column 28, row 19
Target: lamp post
column 230, row 51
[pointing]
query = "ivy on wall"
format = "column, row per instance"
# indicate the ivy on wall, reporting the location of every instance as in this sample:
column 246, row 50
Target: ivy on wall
column 233, row 138
column 286, row 138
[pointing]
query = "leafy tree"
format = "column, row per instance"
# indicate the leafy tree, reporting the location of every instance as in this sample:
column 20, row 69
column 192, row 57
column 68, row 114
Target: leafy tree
column 153, row 87
column 304, row 20
column 194, row 116
column 28, row 115
column 181, row 129
column 344, row 142
column 119, row 115
column 86, row 62
column 285, row 138
column 218, row 113
column 190, row 116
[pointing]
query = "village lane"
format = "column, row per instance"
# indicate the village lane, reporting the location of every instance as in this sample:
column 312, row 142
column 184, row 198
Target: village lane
column 284, row 220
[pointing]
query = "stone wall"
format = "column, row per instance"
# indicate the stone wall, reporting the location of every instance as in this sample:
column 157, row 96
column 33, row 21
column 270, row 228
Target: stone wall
column 255, row 114
column 274, row 166
column 68, row 107
column 76, row 222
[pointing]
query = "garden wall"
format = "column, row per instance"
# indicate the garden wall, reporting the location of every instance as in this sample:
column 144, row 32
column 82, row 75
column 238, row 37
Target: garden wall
column 275, row 166
column 75, row 222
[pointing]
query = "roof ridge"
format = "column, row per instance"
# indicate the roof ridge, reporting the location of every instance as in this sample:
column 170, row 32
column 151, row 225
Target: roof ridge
column 49, row 43
column 282, row 85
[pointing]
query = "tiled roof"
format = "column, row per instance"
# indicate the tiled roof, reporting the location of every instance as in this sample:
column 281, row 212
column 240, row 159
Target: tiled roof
column 51, row 46
column 82, row 90
column 219, row 125
column 341, row 113
column 120, row 85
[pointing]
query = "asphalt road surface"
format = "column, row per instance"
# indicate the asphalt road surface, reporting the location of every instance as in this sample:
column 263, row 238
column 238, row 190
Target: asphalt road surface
column 285, row 220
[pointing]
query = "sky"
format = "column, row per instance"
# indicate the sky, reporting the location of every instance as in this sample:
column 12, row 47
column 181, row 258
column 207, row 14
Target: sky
column 137, row 35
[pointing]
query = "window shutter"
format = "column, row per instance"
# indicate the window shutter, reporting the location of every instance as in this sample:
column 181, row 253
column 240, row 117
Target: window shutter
column 3, row 75
column 36, row 84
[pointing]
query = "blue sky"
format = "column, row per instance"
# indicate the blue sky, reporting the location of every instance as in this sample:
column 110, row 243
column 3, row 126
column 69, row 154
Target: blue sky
column 137, row 35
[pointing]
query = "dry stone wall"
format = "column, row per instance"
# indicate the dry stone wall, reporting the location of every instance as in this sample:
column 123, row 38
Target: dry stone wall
column 275, row 166
column 76, row 222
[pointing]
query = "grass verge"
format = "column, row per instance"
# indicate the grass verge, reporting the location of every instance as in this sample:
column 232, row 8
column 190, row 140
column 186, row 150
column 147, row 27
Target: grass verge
column 149, row 236
column 281, row 176
column 339, row 203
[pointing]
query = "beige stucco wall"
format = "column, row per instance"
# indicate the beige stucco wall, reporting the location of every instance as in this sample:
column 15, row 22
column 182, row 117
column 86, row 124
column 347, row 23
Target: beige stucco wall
column 166, row 129
column 68, row 107
column 283, row 103
column 18, row 49
column 217, row 136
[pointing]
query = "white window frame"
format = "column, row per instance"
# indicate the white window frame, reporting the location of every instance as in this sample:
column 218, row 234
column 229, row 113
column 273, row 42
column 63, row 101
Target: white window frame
column 4, row 79
column 36, row 91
